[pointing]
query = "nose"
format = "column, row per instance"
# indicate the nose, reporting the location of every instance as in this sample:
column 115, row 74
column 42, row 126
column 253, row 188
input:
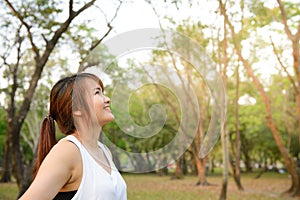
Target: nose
column 106, row 99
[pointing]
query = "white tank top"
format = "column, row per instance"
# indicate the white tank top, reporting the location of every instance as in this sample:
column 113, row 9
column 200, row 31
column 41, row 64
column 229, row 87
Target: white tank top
column 97, row 183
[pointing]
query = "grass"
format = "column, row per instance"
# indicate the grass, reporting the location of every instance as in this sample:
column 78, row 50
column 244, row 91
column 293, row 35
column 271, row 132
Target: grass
column 146, row 187
column 154, row 187
column 8, row 191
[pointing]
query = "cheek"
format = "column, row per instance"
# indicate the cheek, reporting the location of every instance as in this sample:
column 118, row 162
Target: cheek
column 98, row 105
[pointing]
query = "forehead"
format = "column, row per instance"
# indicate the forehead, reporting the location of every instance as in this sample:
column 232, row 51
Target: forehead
column 92, row 84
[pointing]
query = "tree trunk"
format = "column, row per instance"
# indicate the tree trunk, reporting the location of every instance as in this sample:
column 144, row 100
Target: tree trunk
column 224, row 141
column 236, row 170
column 236, row 178
column 201, row 168
column 247, row 158
column 177, row 173
column 212, row 164
column 20, row 170
column 6, row 168
column 298, row 109
column 223, row 61
column 263, row 170
column 184, row 168
column 200, row 162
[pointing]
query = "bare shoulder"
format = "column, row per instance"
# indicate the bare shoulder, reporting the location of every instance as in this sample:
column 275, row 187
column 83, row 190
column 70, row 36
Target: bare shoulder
column 64, row 155
column 67, row 149
column 61, row 169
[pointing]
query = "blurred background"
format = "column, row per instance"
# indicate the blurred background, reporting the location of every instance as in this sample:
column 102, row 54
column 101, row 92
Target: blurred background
column 253, row 46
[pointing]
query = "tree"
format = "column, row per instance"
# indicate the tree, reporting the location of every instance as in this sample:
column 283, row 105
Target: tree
column 223, row 64
column 290, row 163
column 295, row 39
column 236, row 166
column 38, row 31
column 30, row 129
column 196, row 31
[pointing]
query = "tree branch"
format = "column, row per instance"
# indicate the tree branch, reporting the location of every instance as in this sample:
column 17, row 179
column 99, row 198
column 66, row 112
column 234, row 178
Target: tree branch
column 63, row 27
column 97, row 42
column 86, row 6
column 71, row 7
column 43, row 60
column 28, row 27
column 283, row 67
column 284, row 20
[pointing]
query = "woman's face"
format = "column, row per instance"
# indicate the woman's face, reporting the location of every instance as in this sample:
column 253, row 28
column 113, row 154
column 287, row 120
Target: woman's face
column 99, row 103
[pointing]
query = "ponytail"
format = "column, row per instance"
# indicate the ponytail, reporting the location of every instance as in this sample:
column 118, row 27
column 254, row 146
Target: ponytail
column 46, row 141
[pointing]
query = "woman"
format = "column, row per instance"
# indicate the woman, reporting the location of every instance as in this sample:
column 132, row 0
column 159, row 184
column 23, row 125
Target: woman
column 77, row 166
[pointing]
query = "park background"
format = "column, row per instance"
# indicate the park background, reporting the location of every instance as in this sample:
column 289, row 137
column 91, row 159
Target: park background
column 254, row 46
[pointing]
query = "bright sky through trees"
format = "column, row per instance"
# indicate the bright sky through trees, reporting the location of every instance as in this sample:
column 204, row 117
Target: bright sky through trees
column 137, row 14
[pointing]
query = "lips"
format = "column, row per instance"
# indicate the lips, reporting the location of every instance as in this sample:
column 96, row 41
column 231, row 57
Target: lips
column 107, row 108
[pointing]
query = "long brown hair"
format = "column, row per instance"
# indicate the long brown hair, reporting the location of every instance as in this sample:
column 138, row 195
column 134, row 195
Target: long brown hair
column 65, row 97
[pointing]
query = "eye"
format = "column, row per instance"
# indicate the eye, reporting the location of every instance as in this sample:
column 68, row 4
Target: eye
column 97, row 92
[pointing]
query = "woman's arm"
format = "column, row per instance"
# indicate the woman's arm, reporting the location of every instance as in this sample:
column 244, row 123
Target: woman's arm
column 59, row 168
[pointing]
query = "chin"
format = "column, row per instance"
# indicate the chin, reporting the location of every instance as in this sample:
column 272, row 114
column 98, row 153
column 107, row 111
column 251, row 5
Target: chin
column 110, row 119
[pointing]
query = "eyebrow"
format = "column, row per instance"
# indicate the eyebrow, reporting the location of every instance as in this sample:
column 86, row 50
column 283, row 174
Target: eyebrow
column 98, row 88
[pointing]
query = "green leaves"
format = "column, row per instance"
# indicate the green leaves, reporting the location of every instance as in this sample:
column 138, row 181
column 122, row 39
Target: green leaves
column 41, row 13
column 262, row 15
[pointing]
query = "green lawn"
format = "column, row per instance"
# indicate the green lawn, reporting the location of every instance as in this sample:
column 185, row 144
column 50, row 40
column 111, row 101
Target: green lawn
column 154, row 187
column 8, row 191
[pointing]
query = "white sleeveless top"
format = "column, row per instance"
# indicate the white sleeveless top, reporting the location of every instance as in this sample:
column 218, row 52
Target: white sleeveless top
column 97, row 183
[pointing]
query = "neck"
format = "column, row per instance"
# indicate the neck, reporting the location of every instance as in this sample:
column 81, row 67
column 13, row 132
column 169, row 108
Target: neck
column 88, row 137
column 88, row 132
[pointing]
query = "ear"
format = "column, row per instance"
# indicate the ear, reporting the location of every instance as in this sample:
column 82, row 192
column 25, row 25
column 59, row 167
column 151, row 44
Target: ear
column 77, row 113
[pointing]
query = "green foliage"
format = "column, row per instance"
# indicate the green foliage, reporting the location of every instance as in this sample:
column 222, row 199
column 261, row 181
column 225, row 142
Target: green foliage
column 262, row 15
column 194, row 31
column 31, row 127
column 256, row 137
column 81, row 37
column 43, row 13
column 139, row 105
column 248, row 17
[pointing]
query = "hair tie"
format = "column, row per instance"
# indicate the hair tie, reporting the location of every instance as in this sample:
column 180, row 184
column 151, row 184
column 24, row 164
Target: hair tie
column 49, row 117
